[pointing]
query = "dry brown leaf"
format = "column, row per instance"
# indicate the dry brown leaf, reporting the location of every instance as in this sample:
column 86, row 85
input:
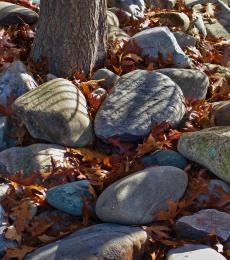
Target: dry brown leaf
column 12, row 234
column 18, row 253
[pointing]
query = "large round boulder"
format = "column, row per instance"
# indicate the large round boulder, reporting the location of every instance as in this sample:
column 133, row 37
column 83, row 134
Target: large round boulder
column 135, row 199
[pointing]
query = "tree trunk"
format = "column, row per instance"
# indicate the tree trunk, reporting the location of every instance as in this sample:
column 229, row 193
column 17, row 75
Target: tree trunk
column 71, row 35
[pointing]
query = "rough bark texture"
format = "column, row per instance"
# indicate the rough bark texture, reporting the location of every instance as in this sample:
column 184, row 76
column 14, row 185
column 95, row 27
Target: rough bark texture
column 71, row 34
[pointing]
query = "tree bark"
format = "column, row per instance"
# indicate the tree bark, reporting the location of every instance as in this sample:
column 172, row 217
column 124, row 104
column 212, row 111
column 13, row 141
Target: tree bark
column 71, row 35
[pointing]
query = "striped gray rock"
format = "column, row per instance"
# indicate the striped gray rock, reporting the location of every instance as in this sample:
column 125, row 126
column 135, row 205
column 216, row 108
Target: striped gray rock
column 56, row 112
column 221, row 113
column 210, row 148
column 102, row 241
column 12, row 14
column 139, row 100
column 135, row 199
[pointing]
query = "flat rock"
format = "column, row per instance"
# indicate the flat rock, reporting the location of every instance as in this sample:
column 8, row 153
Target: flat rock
column 15, row 81
column 36, row 157
column 164, row 158
column 135, row 199
column 116, row 33
column 70, row 197
column 102, row 241
column 184, row 40
column 139, row 100
column 203, row 223
column 160, row 40
column 12, row 14
column 56, row 112
column 193, row 83
column 221, row 113
column 210, row 148
column 194, row 252
column 109, row 77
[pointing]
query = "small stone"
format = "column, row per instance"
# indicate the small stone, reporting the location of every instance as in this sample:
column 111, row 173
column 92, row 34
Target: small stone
column 70, row 197
column 115, row 33
column 15, row 81
column 121, row 202
column 112, row 19
column 36, row 157
column 102, row 241
column 109, row 77
column 210, row 148
column 185, row 40
column 213, row 189
column 56, row 112
column 164, row 158
column 3, row 190
column 194, row 252
column 203, row 223
column 160, row 40
column 221, row 113
column 193, row 83
column 174, row 19
column 12, row 14
column 139, row 100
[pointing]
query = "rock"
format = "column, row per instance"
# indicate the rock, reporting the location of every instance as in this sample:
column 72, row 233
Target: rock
column 194, row 252
column 115, row 33
column 210, row 148
column 3, row 190
column 12, row 14
column 56, row 112
column 166, row 4
column 174, row 19
column 203, row 223
column 15, row 81
column 70, row 197
column 193, row 83
column 121, row 202
column 102, row 241
column 184, row 40
column 221, row 113
column 36, row 157
column 213, row 187
column 139, row 100
column 160, row 40
column 199, row 24
column 110, row 78
column 164, row 158
column 112, row 19
column 134, row 7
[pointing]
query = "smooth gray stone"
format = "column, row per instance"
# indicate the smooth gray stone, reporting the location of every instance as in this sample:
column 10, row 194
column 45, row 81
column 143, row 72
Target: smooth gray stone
column 115, row 33
column 70, row 197
column 160, row 40
column 184, row 40
column 56, row 112
column 139, row 100
column 210, row 148
column 12, row 14
column 193, row 83
column 199, row 23
column 110, row 78
column 112, row 19
column 221, row 113
column 36, row 157
column 102, row 241
column 135, row 199
column 134, row 7
column 194, row 252
column 15, row 81
column 3, row 190
column 203, row 223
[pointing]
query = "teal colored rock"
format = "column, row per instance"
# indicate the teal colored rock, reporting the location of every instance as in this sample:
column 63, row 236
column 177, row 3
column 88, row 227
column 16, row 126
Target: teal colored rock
column 69, row 197
column 210, row 148
column 164, row 158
